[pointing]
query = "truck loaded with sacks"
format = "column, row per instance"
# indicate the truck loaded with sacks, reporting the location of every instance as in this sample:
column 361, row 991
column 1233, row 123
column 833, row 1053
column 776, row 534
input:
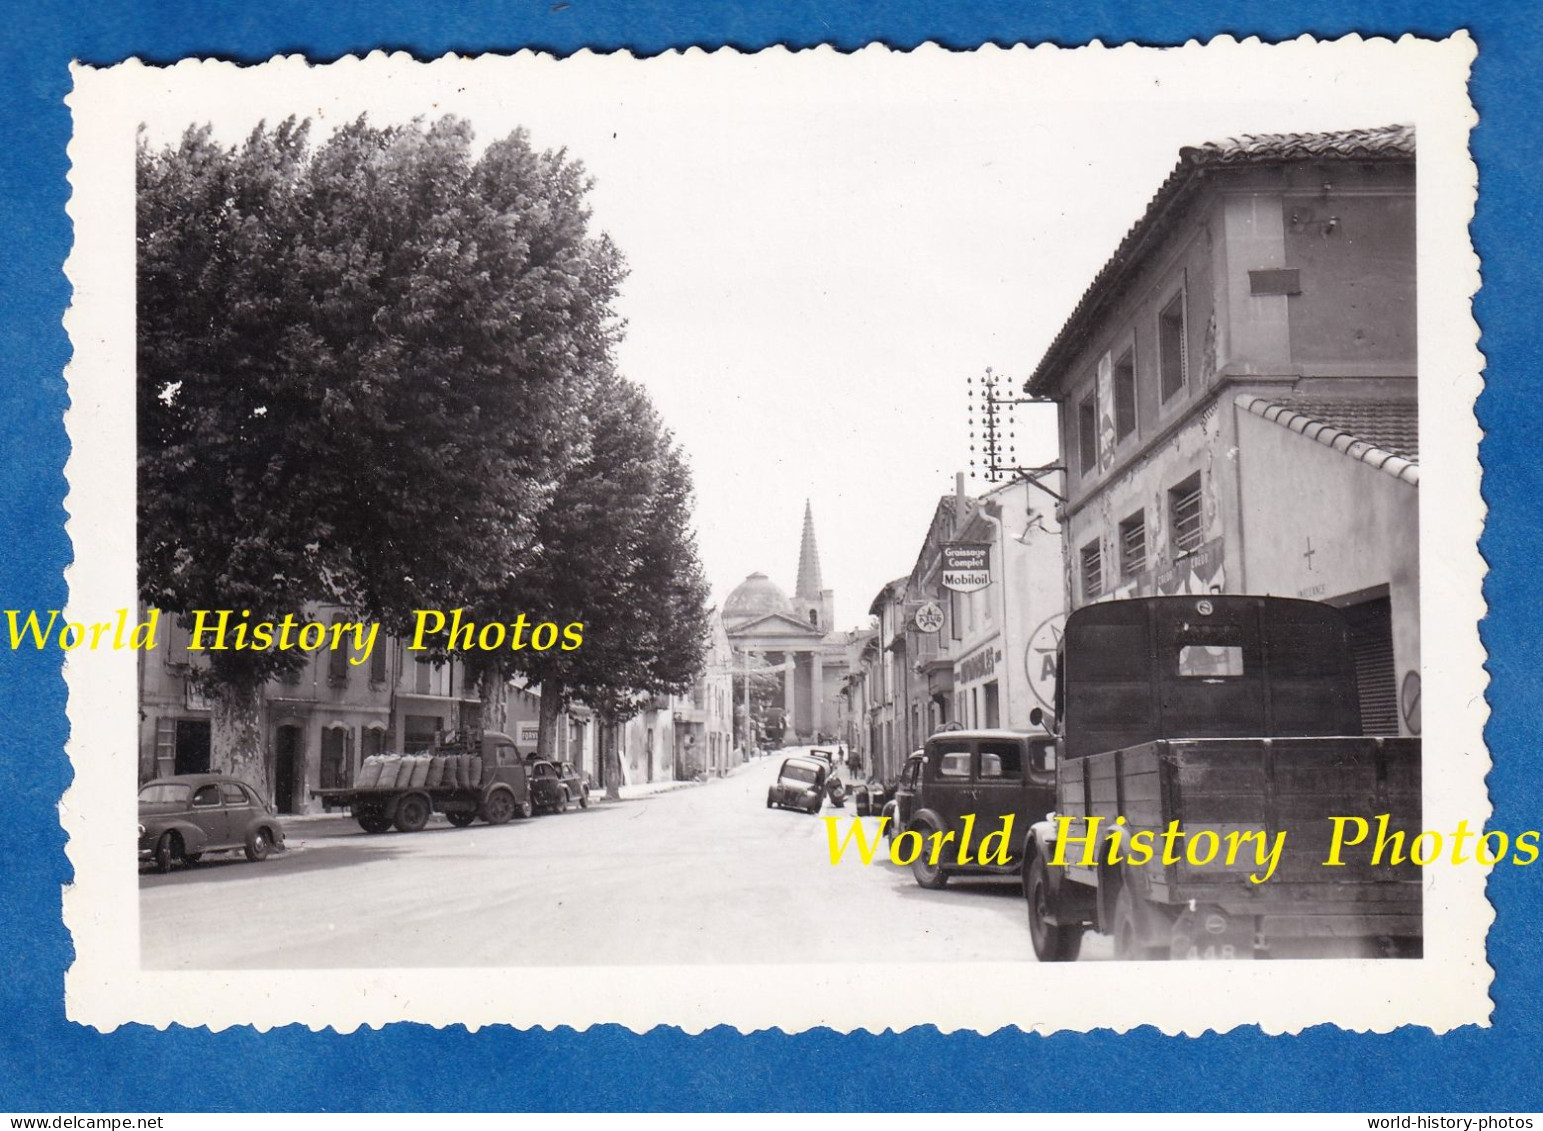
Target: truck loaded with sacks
column 480, row 777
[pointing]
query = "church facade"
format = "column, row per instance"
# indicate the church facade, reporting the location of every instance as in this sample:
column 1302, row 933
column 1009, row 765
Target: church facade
column 796, row 635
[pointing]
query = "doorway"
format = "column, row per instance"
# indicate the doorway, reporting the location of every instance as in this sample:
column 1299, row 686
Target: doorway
column 288, row 769
column 191, row 749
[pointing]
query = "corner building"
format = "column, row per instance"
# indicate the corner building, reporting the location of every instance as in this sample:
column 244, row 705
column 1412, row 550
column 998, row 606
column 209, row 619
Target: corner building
column 1238, row 395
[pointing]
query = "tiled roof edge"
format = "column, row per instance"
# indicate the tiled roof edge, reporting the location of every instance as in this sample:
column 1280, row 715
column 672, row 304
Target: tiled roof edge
column 1382, row 143
column 1337, row 438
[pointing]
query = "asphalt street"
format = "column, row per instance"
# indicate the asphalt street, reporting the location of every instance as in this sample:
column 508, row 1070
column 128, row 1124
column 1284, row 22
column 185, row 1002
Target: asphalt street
column 701, row 874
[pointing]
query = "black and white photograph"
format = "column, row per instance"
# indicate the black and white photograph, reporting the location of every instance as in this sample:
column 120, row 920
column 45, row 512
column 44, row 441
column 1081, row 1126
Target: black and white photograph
column 778, row 540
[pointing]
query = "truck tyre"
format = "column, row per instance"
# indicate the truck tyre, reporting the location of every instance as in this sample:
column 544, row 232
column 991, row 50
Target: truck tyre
column 498, row 807
column 460, row 818
column 372, row 821
column 1128, row 944
column 1052, row 942
column 412, row 813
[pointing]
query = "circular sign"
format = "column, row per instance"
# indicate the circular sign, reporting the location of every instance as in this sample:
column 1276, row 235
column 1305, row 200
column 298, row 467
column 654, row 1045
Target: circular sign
column 1204, row 608
column 929, row 618
column 1039, row 659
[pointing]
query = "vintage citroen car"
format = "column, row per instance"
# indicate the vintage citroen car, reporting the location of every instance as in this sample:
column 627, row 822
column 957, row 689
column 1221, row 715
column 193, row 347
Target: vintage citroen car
column 800, row 784
column 183, row 817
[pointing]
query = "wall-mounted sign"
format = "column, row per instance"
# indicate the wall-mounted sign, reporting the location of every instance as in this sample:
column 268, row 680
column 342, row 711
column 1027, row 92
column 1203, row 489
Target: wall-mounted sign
column 966, row 566
column 1409, row 701
column 528, row 734
column 929, row 618
column 978, row 666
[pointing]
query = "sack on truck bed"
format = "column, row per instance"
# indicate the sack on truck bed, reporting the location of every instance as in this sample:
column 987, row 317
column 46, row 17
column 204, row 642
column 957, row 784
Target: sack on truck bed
column 390, row 770
column 436, row 772
column 419, row 772
column 474, row 771
column 369, row 773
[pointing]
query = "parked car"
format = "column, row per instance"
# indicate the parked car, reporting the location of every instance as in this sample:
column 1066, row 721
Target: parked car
column 574, row 783
column 902, row 805
column 549, row 791
column 800, row 784
column 181, row 818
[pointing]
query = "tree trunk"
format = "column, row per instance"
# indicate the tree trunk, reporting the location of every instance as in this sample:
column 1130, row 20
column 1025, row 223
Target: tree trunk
column 610, row 751
column 551, row 715
column 493, row 690
column 236, row 736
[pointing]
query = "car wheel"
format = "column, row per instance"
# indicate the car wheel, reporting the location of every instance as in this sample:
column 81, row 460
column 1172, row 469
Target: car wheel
column 562, row 802
column 931, row 876
column 526, row 810
column 584, row 800
column 257, row 846
column 1052, row 942
column 498, row 808
column 168, row 850
column 412, row 813
column 460, row 818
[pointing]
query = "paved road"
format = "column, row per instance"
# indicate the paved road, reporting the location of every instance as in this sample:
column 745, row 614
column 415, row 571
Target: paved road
column 701, row 874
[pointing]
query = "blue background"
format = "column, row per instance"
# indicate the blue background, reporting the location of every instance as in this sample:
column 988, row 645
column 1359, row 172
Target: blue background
column 49, row 1064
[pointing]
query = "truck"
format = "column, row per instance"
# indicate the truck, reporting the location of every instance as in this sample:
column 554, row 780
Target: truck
column 1207, row 722
column 463, row 777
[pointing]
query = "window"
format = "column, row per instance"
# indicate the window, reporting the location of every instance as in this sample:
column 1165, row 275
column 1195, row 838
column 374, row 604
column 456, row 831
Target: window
column 208, row 797
column 337, row 658
column 1092, row 570
column 1171, row 361
column 993, row 705
column 1133, row 545
column 955, row 765
column 1125, row 395
column 233, row 795
column 1207, row 661
column 1184, row 518
column 1087, row 434
column 1001, row 760
column 378, row 665
column 1042, row 756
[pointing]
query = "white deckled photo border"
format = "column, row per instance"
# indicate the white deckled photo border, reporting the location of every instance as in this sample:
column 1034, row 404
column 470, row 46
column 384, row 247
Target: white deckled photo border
column 1447, row 987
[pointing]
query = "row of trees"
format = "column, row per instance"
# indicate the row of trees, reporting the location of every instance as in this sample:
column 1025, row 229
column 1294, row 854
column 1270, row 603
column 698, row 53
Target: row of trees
column 379, row 372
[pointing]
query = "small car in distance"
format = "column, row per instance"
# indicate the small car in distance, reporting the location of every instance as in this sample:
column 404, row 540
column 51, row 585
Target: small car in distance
column 800, row 784
column 548, row 791
column 574, row 783
column 181, row 818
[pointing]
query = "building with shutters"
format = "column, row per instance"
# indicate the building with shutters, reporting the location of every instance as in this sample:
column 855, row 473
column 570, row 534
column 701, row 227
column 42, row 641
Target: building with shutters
column 1238, row 395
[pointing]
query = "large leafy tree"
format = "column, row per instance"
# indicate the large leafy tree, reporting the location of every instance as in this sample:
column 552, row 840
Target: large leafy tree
column 353, row 366
column 615, row 550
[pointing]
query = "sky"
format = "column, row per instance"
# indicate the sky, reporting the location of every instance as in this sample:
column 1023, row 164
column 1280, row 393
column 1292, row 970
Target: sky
column 824, row 248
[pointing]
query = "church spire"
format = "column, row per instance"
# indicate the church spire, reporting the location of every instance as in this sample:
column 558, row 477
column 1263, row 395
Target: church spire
column 809, row 583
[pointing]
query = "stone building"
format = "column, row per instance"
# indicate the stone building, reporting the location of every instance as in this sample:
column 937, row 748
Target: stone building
column 1238, row 395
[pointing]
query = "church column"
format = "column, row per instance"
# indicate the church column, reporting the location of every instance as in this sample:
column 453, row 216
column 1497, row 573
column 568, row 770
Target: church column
column 817, row 691
column 789, row 669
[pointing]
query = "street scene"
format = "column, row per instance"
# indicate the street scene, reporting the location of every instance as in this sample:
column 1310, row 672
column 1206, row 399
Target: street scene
column 480, row 641
column 695, row 873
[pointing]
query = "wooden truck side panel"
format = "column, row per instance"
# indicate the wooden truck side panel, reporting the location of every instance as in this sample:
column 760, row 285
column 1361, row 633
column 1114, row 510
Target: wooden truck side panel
column 1253, row 787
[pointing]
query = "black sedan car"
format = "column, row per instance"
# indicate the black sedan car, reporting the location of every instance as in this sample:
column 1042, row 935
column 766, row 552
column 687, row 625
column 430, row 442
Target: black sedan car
column 181, row 818
column 800, row 784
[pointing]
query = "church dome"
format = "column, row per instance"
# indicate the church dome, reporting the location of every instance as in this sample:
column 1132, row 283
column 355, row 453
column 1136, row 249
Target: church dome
column 755, row 596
